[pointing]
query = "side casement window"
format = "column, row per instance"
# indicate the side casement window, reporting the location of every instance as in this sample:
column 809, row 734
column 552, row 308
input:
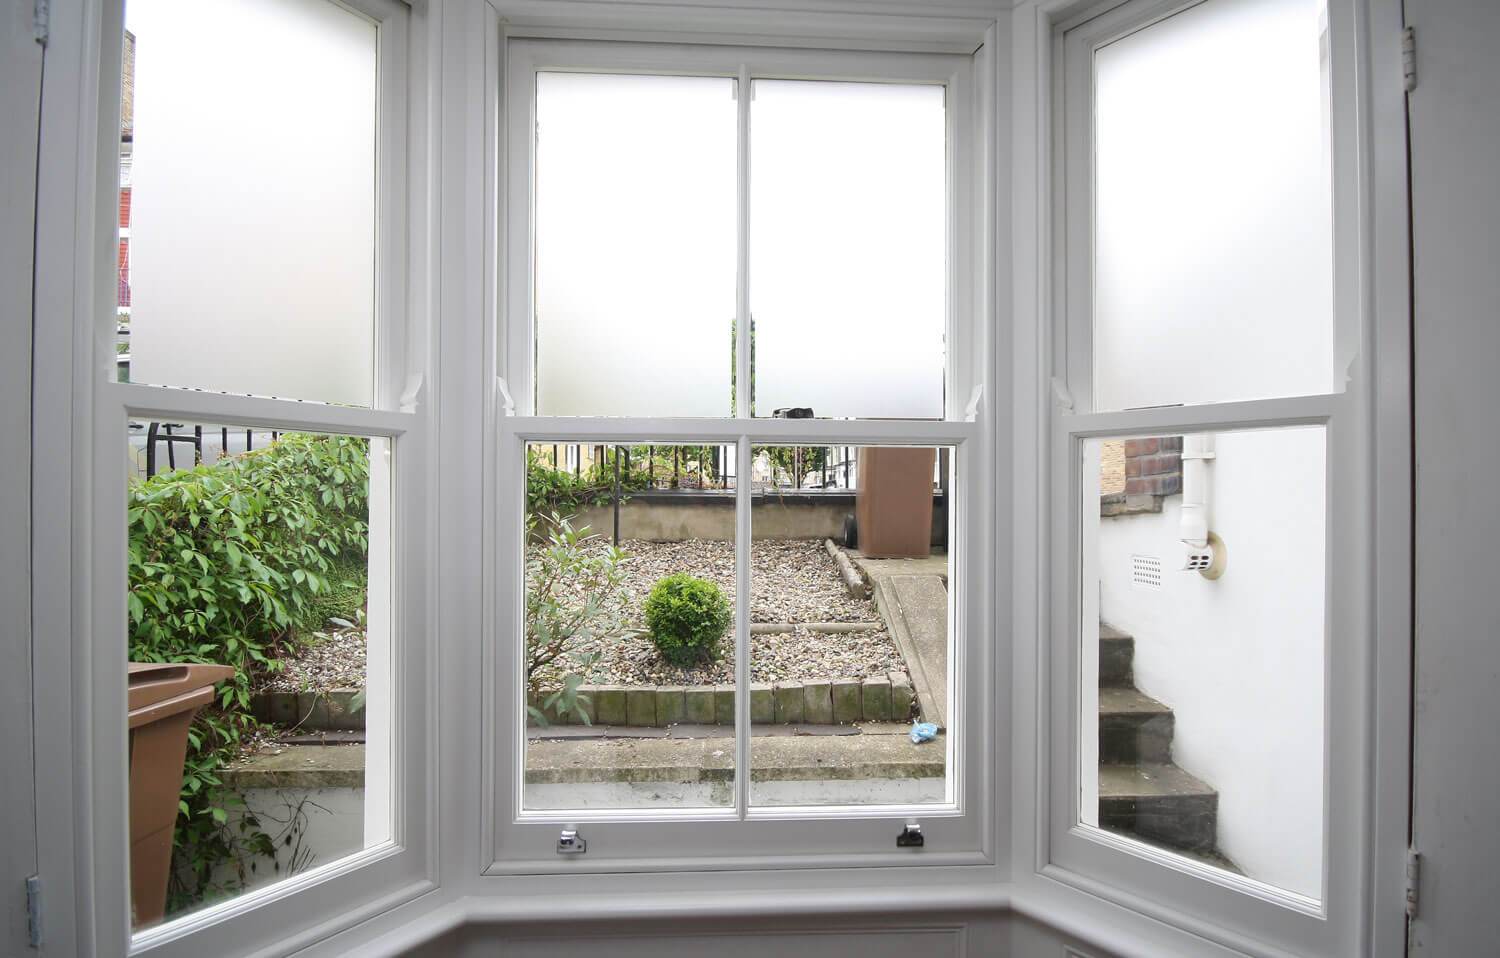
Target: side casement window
column 258, row 434
column 1210, row 463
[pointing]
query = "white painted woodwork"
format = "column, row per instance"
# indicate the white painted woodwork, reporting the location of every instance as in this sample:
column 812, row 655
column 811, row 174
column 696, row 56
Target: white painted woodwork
column 1455, row 137
column 20, row 100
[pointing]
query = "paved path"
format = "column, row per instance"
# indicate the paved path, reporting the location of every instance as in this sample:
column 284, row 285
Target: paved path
column 912, row 595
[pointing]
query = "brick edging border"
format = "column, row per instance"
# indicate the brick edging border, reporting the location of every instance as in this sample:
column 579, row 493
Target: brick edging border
column 822, row 701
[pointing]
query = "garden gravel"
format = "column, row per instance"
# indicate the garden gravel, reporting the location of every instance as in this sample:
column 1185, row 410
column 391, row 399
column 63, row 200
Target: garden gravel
column 331, row 661
column 794, row 581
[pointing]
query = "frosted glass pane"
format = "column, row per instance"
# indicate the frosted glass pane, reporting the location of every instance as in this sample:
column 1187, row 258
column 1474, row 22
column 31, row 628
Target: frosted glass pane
column 252, row 234
column 847, row 248
column 1213, row 252
column 635, row 245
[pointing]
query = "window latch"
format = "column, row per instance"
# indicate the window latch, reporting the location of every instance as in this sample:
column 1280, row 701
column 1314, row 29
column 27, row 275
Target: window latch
column 910, row 837
column 570, row 843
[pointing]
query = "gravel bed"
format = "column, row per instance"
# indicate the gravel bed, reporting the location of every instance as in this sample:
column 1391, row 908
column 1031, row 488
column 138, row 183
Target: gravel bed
column 792, row 581
column 332, row 660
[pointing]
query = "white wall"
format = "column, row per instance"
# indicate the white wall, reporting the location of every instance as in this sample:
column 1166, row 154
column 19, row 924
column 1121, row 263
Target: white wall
column 334, row 827
column 1240, row 659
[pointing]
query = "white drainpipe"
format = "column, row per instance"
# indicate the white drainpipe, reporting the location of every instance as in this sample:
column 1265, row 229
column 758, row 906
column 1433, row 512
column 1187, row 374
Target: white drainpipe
column 1197, row 450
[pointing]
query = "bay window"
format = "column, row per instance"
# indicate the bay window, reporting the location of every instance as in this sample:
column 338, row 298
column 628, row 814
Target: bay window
column 864, row 457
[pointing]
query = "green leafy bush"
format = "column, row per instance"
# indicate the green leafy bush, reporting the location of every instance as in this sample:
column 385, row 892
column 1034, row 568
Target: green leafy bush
column 687, row 617
column 552, row 491
column 226, row 562
column 574, row 601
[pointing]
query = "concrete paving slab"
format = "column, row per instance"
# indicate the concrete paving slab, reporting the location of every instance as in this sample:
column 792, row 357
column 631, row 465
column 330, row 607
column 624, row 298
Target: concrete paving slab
column 300, row 766
column 918, row 614
column 691, row 761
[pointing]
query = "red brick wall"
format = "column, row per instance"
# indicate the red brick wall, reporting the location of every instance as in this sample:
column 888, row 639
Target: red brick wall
column 1153, row 467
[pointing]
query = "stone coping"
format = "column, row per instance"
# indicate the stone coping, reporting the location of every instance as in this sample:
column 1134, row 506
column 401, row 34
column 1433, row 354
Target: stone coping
column 299, row 766
column 818, row 701
column 883, row 698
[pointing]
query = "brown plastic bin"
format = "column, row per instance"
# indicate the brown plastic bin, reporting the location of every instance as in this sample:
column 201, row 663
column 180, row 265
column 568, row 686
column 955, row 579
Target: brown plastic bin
column 163, row 700
column 893, row 501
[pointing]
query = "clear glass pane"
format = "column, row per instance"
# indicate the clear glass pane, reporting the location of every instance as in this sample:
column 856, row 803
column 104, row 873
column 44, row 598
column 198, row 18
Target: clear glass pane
column 629, row 659
column 247, row 264
column 1202, row 682
column 259, row 633
column 849, row 640
column 635, row 245
column 1213, row 251
column 848, row 248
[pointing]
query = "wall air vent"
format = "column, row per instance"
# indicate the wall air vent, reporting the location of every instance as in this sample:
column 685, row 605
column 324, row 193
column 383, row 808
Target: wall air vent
column 1145, row 572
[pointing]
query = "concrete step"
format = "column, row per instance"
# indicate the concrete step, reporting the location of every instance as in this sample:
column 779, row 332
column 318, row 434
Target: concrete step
column 879, row 751
column 1161, row 804
column 1116, row 657
column 1133, row 728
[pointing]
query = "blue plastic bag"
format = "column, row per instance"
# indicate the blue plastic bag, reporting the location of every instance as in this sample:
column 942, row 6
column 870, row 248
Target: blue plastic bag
column 922, row 732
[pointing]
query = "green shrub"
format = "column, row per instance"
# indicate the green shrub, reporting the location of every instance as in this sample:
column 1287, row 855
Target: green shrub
column 687, row 617
column 226, row 562
column 574, row 601
column 552, row 491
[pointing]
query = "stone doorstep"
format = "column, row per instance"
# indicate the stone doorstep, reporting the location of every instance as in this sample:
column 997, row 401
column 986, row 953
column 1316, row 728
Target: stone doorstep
column 835, row 701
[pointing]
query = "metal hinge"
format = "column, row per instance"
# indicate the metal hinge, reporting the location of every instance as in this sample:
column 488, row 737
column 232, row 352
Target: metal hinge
column 34, row 911
column 1409, row 58
column 41, row 19
column 1413, row 881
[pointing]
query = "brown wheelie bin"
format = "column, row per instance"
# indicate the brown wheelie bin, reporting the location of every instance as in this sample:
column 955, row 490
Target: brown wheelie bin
column 893, row 501
column 163, row 700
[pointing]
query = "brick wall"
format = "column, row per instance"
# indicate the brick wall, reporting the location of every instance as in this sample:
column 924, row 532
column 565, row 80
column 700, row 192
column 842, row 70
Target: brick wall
column 1153, row 467
column 1112, row 467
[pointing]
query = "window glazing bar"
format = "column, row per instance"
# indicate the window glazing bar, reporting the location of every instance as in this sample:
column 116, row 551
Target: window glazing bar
column 742, row 531
column 743, row 323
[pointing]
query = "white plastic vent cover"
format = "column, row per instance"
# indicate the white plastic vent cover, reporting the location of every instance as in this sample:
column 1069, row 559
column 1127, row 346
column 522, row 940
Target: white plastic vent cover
column 1145, row 572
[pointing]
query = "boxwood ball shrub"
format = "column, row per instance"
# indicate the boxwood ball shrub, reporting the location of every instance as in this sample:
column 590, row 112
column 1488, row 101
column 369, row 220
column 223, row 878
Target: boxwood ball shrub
column 687, row 618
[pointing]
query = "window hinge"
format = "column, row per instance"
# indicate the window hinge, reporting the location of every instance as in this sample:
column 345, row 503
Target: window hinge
column 41, row 19
column 34, row 911
column 1413, row 881
column 1409, row 58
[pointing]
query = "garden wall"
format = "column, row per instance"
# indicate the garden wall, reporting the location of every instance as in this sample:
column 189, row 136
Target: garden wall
column 672, row 515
